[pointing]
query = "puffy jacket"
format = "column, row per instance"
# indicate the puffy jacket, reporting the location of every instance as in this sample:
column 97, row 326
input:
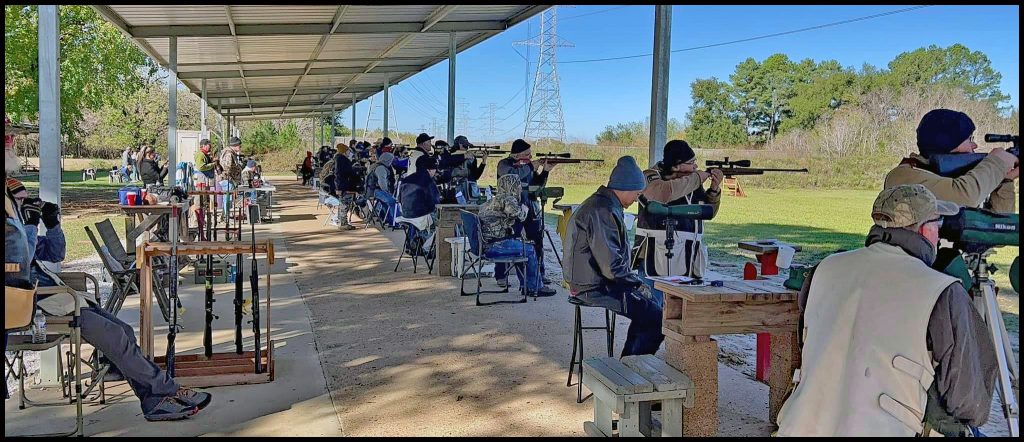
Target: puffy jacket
column 151, row 172
column 596, row 250
column 499, row 215
column 418, row 195
column 204, row 163
column 343, row 174
column 972, row 189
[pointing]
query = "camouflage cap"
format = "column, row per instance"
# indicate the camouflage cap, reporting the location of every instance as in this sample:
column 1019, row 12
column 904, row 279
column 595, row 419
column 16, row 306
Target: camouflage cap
column 909, row 205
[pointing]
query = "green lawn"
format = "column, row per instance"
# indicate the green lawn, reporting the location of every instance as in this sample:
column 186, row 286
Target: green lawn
column 821, row 221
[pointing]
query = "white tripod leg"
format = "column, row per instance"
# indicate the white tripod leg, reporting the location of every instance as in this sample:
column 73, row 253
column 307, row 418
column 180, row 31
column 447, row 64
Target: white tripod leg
column 1007, row 369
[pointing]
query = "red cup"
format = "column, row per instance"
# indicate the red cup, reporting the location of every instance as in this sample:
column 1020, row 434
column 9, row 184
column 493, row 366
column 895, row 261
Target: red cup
column 143, row 196
column 132, row 199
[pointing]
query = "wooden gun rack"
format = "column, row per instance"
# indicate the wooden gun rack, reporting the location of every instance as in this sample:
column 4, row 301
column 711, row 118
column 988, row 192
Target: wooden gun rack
column 226, row 368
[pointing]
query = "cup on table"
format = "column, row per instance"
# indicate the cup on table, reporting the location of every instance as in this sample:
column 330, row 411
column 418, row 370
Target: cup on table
column 132, row 199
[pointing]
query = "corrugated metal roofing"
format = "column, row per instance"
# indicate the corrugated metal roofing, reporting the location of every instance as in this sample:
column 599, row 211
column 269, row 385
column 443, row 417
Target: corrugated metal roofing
column 267, row 61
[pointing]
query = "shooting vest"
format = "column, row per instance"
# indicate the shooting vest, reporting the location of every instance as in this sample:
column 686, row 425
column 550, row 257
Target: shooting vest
column 689, row 253
column 866, row 365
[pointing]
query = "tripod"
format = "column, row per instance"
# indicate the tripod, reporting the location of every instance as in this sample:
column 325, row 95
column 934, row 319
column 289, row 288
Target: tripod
column 984, row 295
column 544, row 193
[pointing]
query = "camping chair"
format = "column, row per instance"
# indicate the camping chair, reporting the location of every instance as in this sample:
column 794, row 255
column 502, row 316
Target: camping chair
column 60, row 329
column 125, row 281
column 475, row 254
column 332, row 204
column 388, row 207
column 116, row 251
column 413, row 246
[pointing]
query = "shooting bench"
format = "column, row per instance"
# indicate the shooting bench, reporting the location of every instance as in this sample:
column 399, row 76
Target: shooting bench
column 766, row 251
column 732, row 186
column 693, row 313
column 226, row 368
column 628, row 387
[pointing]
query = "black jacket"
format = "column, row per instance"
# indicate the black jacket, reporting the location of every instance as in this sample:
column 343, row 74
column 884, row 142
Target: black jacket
column 151, row 172
column 596, row 249
column 344, row 176
column 418, row 195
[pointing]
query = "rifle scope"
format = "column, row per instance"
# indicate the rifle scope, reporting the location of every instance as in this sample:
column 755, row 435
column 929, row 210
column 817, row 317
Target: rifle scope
column 727, row 163
column 997, row 138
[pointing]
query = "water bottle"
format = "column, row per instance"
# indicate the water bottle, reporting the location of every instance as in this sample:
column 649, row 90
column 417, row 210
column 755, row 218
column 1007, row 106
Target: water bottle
column 39, row 328
column 231, row 273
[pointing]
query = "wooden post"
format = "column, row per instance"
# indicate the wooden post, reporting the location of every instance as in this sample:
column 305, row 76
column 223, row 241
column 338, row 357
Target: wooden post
column 785, row 359
column 698, row 358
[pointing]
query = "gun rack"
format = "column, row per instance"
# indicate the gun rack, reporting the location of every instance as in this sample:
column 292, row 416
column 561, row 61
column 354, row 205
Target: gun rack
column 225, row 368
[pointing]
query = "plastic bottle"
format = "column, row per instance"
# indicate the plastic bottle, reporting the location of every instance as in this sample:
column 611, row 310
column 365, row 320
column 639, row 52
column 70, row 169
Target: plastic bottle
column 39, row 328
column 231, row 273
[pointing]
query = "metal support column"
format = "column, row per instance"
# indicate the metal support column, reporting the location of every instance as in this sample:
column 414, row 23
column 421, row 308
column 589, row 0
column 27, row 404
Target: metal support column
column 334, row 127
column 353, row 117
column 451, row 88
column 202, row 114
column 659, row 82
column 49, row 105
column 227, row 128
column 172, row 104
column 387, row 85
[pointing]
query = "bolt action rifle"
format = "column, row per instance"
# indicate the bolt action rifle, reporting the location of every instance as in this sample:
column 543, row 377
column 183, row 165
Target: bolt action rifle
column 957, row 164
column 742, row 167
column 563, row 158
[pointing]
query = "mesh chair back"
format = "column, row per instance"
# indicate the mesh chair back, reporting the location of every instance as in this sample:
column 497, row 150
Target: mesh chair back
column 471, row 227
column 112, row 241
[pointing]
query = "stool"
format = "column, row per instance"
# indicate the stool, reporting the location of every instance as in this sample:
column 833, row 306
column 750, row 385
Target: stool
column 577, row 357
column 628, row 387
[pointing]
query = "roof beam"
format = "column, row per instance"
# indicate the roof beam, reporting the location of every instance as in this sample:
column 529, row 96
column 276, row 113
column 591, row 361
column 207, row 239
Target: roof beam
column 282, row 103
column 289, row 72
column 282, row 92
column 238, row 51
column 319, row 47
column 436, row 16
column 231, row 29
column 321, row 60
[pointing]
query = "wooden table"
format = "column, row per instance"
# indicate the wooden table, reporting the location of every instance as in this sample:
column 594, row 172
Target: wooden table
column 447, row 219
column 138, row 214
column 225, row 368
column 693, row 313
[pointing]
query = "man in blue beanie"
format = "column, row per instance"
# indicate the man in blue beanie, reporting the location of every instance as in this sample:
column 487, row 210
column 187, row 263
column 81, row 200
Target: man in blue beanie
column 989, row 184
column 597, row 259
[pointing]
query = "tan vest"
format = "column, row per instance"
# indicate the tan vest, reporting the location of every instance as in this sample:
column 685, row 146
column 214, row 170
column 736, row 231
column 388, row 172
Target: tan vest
column 866, row 365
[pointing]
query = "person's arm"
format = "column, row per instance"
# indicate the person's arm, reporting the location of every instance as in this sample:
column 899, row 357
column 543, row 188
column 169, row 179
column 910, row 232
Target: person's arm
column 664, row 191
column 963, row 348
column 539, row 179
column 969, row 190
column 714, row 198
column 605, row 246
column 1004, row 199
column 52, row 246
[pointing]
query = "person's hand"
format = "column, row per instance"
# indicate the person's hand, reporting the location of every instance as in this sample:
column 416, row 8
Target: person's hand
column 50, row 214
column 1013, row 174
column 717, row 176
column 1005, row 156
column 31, row 211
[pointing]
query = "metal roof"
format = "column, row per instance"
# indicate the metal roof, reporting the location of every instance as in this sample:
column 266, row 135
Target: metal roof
column 292, row 61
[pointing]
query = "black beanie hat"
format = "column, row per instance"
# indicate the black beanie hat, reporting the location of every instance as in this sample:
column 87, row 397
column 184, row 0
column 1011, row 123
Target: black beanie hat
column 942, row 130
column 520, row 146
column 677, row 152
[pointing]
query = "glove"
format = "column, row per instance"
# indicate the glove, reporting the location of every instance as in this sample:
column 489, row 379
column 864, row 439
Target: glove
column 31, row 211
column 50, row 214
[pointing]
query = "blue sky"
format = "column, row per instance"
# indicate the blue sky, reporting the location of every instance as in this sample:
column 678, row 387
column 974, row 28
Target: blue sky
column 602, row 93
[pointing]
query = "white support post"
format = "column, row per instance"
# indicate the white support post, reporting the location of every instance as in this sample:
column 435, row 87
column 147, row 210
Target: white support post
column 224, row 127
column 451, row 88
column 202, row 114
column 49, row 105
column 172, row 105
column 659, row 82
column 334, row 127
column 387, row 85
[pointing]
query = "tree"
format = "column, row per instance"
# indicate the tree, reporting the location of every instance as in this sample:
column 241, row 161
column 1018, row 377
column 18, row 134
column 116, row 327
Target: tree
column 829, row 87
column 97, row 64
column 713, row 117
column 955, row 66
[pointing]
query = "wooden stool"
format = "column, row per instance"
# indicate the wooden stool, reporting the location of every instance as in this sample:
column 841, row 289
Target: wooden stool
column 628, row 387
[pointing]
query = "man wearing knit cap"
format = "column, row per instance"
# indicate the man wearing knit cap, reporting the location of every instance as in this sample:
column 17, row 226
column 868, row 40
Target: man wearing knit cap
column 423, row 147
column 989, row 184
column 597, row 253
column 531, row 173
column 677, row 180
column 888, row 343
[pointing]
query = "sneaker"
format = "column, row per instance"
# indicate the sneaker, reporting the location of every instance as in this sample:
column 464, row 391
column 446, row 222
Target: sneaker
column 346, row 227
column 170, row 409
column 502, row 283
column 544, row 292
column 545, row 280
column 189, row 396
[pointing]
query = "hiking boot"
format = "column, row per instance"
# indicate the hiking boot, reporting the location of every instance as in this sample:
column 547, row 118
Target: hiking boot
column 199, row 399
column 170, row 409
column 346, row 227
column 544, row 292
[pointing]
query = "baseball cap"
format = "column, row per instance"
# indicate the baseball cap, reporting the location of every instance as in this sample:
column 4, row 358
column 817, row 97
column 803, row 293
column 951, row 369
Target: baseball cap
column 423, row 137
column 908, row 205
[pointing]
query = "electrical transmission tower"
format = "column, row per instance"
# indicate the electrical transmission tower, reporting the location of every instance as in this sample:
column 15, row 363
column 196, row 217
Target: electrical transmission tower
column 462, row 125
column 491, row 110
column 544, row 119
column 433, row 126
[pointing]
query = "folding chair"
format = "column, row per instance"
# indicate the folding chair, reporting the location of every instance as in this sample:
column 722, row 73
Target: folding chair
column 59, row 330
column 113, row 246
column 332, row 204
column 412, row 234
column 476, row 254
column 388, row 207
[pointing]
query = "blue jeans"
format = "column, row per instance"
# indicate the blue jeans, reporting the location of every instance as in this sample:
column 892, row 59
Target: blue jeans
column 226, row 186
column 644, row 335
column 514, row 247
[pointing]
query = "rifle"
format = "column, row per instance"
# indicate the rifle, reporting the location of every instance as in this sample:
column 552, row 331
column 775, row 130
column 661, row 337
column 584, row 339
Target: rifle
column 172, row 274
column 742, row 167
column 208, row 332
column 488, row 149
column 254, row 214
column 954, row 165
column 564, row 158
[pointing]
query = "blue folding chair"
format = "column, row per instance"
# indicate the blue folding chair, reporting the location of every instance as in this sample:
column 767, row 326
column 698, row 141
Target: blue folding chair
column 387, row 207
column 476, row 254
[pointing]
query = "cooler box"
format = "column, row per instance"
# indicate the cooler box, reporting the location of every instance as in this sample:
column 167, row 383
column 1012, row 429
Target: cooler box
column 122, row 194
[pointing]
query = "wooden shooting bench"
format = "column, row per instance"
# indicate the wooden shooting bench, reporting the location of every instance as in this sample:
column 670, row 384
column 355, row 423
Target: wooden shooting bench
column 693, row 313
column 766, row 251
column 733, row 187
column 227, row 368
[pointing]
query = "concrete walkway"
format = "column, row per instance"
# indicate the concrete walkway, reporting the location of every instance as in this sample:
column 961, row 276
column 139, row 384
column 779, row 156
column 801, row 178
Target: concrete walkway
column 296, row 403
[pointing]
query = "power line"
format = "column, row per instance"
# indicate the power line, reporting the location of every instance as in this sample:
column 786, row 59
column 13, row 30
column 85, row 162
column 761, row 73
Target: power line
column 777, row 34
column 423, row 98
column 592, row 13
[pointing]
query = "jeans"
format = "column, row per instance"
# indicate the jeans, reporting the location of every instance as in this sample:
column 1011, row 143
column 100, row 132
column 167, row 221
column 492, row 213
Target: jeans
column 226, row 186
column 534, row 233
column 514, row 247
column 644, row 335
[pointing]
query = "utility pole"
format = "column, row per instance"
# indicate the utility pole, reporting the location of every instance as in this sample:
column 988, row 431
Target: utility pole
column 545, row 119
column 434, row 126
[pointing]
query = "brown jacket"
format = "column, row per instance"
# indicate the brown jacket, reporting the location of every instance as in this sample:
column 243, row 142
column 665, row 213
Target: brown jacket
column 666, row 191
column 969, row 190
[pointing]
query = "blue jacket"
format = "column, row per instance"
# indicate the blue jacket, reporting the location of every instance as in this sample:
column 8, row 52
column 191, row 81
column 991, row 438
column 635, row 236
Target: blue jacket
column 418, row 195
